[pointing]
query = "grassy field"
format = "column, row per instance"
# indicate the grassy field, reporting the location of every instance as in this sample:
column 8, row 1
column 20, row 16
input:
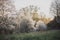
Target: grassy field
column 48, row 35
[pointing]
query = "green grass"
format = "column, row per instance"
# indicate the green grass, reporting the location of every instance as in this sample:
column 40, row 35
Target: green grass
column 48, row 35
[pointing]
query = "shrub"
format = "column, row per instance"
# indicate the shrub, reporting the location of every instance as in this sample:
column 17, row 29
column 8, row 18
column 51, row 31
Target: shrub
column 6, row 26
column 26, row 25
column 41, row 26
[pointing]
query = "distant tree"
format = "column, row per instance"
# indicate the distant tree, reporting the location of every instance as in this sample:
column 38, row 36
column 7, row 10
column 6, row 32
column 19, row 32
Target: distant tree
column 45, row 20
column 32, row 13
column 55, row 10
column 35, row 17
column 29, row 12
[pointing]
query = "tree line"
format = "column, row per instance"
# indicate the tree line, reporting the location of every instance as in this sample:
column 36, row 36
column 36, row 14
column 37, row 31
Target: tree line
column 26, row 19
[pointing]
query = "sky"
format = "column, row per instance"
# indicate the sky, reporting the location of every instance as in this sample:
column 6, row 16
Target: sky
column 43, row 4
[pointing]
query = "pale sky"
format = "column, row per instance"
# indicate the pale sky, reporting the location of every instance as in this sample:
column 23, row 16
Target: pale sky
column 43, row 4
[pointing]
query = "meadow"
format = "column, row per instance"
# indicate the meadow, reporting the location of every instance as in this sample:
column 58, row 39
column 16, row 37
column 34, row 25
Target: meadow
column 47, row 35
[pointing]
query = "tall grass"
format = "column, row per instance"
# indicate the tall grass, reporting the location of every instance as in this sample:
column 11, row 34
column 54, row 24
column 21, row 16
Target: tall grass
column 48, row 35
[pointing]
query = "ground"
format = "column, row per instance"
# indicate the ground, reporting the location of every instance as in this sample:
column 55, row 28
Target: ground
column 47, row 35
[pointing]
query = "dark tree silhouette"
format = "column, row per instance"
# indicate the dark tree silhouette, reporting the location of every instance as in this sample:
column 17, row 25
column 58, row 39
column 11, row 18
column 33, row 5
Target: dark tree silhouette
column 53, row 25
column 55, row 11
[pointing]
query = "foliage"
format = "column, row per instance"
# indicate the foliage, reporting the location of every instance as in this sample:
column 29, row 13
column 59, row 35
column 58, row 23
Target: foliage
column 53, row 25
column 6, row 26
column 41, row 26
column 26, row 25
column 6, row 7
column 35, row 17
column 55, row 10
